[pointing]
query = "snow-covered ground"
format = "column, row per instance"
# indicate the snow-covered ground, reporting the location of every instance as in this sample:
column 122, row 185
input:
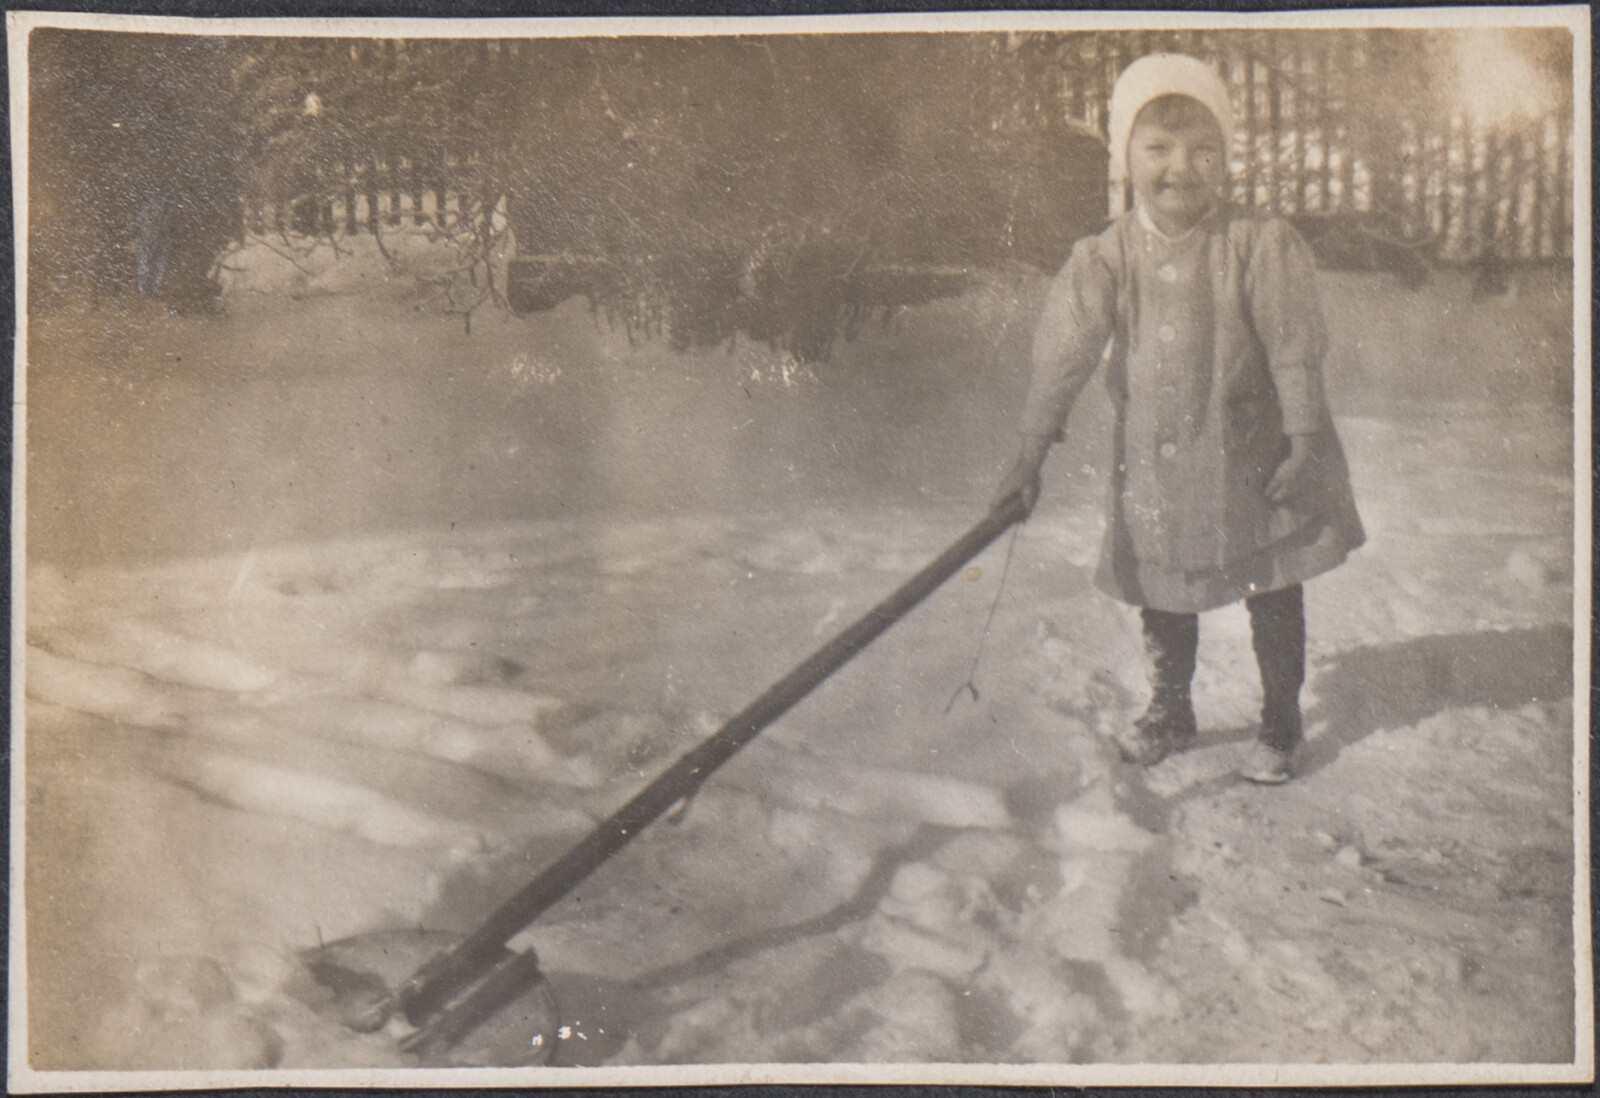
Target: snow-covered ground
column 339, row 620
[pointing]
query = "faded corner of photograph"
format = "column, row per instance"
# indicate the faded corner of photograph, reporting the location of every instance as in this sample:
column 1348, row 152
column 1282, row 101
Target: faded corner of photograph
column 1048, row 547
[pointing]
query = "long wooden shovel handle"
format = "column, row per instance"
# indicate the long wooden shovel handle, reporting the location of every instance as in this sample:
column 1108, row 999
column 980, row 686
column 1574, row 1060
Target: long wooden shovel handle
column 432, row 985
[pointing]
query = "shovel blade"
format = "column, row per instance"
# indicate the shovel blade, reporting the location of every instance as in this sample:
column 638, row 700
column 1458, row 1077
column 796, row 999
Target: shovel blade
column 354, row 979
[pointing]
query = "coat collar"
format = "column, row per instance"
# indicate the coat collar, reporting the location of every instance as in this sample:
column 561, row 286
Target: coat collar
column 1150, row 226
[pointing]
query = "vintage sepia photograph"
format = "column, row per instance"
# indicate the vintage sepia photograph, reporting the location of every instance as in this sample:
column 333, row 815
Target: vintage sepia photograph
column 1009, row 548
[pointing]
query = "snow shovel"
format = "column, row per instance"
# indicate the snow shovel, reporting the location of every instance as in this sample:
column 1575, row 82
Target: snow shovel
column 461, row 988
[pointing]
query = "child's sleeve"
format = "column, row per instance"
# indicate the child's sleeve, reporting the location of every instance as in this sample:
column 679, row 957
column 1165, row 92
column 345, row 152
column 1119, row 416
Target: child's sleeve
column 1074, row 328
column 1282, row 288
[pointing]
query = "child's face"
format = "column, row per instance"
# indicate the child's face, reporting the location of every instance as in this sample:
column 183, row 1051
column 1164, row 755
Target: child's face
column 1176, row 170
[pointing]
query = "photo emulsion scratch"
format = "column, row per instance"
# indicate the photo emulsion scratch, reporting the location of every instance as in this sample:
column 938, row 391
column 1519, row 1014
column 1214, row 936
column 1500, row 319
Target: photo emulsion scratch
column 1042, row 549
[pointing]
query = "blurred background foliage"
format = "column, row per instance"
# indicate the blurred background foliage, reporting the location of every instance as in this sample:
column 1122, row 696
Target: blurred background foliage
column 782, row 186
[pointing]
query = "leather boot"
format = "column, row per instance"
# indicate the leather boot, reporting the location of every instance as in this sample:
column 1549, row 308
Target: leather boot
column 1278, row 634
column 1168, row 724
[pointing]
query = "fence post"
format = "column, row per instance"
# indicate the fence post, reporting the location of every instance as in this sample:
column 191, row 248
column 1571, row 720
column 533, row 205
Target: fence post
column 351, row 226
column 1550, row 184
column 1526, row 211
column 1117, row 199
column 1291, row 186
column 1267, row 143
column 1480, row 161
column 1334, row 134
column 419, row 216
column 1250, row 127
column 371, row 188
column 1564, row 187
column 392, row 172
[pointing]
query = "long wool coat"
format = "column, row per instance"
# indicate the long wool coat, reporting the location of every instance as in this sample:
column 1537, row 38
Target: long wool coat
column 1213, row 344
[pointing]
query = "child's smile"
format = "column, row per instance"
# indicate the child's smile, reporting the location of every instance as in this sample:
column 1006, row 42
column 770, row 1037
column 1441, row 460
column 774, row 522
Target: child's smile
column 1176, row 172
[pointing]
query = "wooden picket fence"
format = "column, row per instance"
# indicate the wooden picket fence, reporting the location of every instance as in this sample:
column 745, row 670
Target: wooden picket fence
column 1453, row 190
column 369, row 199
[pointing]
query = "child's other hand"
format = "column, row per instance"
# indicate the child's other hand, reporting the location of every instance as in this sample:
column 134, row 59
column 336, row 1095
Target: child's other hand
column 1286, row 481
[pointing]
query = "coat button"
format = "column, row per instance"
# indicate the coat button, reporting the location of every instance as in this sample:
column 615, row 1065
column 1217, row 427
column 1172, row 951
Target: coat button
column 1167, row 273
column 1169, row 449
column 1167, row 333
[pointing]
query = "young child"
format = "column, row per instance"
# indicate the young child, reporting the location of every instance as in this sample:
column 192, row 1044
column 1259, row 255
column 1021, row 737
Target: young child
column 1228, row 481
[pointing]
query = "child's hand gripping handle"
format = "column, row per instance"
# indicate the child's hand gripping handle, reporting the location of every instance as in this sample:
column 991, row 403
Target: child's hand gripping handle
column 1020, row 487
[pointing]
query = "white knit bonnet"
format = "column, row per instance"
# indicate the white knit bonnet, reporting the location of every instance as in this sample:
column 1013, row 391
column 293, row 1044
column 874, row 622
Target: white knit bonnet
column 1153, row 76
